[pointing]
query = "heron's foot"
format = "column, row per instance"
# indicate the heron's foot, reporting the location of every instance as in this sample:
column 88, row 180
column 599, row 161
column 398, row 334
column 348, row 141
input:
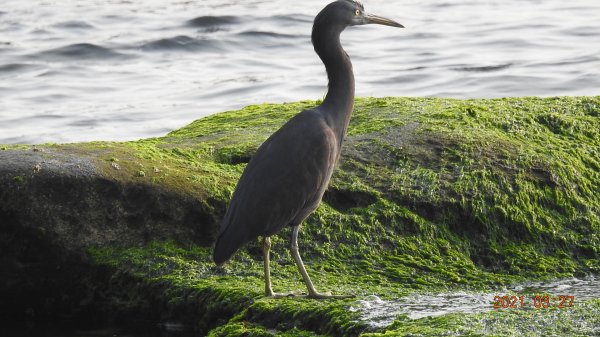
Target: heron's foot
column 327, row 295
column 284, row 295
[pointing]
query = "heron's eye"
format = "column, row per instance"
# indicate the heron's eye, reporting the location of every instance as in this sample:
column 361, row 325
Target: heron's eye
column 357, row 12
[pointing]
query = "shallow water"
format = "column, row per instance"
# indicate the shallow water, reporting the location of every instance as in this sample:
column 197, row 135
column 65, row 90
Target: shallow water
column 380, row 313
column 118, row 70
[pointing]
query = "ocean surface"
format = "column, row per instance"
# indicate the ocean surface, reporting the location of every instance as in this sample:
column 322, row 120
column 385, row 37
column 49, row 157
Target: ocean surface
column 79, row 70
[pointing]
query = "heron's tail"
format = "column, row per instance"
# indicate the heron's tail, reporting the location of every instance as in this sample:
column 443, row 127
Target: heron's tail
column 223, row 251
column 228, row 242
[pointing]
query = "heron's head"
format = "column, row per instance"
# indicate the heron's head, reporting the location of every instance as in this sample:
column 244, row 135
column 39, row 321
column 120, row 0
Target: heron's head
column 352, row 13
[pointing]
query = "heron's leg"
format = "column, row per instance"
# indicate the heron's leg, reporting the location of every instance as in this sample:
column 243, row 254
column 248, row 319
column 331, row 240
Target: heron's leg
column 266, row 261
column 299, row 263
column 312, row 292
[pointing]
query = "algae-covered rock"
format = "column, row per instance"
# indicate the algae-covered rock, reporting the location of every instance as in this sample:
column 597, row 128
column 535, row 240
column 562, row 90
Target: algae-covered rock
column 429, row 193
column 55, row 204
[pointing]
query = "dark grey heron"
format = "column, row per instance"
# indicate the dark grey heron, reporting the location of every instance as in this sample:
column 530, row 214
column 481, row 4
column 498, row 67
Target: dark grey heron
column 285, row 180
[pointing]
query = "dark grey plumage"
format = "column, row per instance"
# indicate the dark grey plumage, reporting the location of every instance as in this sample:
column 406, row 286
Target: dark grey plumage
column 285, row 180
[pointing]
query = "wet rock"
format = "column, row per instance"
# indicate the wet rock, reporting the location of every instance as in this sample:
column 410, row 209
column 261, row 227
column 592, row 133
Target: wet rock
column 52, row 214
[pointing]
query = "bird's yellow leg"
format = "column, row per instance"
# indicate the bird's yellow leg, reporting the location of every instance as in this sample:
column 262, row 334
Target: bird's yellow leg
column 312, row 292
column 266, row 262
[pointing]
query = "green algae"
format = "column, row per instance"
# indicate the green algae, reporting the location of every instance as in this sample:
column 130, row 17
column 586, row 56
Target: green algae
column 429, row 194
column 229, row 299
column 245, row 329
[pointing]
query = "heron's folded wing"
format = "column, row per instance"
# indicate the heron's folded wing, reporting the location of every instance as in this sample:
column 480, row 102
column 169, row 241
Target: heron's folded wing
column 286, row 173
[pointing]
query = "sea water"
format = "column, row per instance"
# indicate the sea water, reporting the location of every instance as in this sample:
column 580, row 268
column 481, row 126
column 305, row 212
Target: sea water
column 79, row 70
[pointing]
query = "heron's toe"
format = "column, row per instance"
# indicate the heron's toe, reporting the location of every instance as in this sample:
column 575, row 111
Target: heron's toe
column 328, row 295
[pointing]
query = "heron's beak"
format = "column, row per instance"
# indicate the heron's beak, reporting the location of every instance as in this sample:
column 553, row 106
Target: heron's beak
column 382, row 21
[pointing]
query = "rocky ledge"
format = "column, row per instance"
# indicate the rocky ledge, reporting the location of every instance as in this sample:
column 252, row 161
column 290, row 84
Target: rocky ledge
column 430, row 194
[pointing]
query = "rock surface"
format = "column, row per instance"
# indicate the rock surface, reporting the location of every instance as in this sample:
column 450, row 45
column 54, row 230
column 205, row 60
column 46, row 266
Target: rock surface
column 55, row 205
column 429, row 194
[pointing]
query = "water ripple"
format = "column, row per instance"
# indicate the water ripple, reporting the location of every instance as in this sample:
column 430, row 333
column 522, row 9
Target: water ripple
column 74, row 25
column 212, row 21
column 483, row 68
column 80, row 51
column 180, row 42
column 263, row 34
column 381, row 313
column 16, row 67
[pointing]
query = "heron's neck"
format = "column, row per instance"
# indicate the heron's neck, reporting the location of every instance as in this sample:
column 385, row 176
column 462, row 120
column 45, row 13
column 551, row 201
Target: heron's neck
column 339, row 100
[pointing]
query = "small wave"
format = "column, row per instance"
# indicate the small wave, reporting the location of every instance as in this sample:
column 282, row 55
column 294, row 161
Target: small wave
column 12, row 67
column 583, row 31
column 416, row 68
column 40, row 31
column 484, row 68
column 212, row 21
column 293, row 18
column 444, row 5
column 180, row 42
column 424, row 35
column 256, row 33
column 579, row 60
column 84, row 122
column 48, row 98
column 84, row 51
column 74, row 25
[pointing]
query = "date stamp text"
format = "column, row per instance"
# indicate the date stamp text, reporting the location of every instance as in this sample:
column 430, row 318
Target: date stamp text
column 537, row 301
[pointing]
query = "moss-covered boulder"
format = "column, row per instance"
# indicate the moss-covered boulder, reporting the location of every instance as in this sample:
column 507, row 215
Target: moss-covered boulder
column 429, row 194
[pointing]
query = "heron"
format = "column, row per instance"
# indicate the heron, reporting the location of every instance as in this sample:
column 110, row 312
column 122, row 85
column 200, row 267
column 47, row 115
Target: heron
column 286, row 178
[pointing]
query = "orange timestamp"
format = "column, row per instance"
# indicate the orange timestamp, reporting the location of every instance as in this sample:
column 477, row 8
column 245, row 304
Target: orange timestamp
column 537, row 301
